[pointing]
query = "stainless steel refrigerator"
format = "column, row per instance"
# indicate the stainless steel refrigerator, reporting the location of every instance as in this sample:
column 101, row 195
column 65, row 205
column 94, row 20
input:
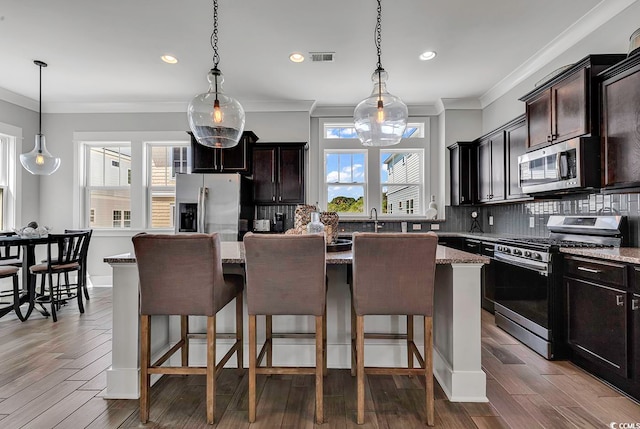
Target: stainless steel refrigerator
column 209, row 203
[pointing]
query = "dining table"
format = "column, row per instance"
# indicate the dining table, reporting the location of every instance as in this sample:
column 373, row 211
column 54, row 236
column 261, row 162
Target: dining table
column 28, row 245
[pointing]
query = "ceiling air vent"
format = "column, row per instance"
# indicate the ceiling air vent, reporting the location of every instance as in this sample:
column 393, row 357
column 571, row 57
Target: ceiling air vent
column 322, row 57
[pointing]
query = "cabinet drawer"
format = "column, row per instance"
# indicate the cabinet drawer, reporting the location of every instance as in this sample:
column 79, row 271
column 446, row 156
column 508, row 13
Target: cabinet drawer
column 597, row 271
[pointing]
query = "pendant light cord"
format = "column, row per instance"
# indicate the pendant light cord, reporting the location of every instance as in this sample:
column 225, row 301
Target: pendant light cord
column 40, row 103
column 378, row 35
column 378, row 42
column 214, row 35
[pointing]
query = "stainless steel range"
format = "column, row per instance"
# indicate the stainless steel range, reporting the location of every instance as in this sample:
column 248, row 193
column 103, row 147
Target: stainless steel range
column 529, row 300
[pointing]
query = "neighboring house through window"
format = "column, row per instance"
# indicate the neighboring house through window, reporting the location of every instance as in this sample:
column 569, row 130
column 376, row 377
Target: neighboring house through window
column 108, row 189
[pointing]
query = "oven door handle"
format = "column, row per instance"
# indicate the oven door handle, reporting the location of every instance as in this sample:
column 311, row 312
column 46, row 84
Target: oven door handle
column 540, row 267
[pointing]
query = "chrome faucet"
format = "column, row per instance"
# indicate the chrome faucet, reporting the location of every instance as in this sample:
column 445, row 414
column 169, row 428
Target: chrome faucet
column 373, row 212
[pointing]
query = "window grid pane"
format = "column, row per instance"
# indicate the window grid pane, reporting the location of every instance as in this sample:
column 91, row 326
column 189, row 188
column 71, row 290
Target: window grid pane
column 345, row 181
column 108, row 205
column 165, row 162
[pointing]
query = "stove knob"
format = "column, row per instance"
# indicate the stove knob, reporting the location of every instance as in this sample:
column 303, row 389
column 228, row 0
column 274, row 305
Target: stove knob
column 517, row 252
column 527, row 253
column 537, row 256
column 500, row 248
column 506, row 250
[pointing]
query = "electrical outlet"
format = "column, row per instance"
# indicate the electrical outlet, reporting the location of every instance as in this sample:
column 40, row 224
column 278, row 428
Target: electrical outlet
column 490, row 220
column 532, row 222
column 416, row 226
column 435, row 226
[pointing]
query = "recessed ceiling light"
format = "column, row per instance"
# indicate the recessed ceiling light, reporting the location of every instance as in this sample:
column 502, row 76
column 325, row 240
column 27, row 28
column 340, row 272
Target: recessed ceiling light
column 296, row 57
column 427, row 55
column 169, row 59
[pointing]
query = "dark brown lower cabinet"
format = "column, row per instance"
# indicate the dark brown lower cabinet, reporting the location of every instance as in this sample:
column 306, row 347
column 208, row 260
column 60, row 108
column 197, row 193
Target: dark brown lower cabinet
column 603, row 319
column 597, row 328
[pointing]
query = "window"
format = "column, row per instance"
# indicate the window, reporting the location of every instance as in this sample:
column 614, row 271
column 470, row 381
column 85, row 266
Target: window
column 401, row 180
column 357, row 179
column 345, row 180
column 9, row 195
column 108, row 189
column 164, row 162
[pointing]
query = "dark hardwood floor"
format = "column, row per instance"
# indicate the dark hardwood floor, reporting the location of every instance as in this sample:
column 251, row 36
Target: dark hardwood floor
column 52, row 375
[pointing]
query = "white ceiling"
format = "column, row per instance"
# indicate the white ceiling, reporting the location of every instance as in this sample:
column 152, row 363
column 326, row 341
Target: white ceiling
column 107, row 53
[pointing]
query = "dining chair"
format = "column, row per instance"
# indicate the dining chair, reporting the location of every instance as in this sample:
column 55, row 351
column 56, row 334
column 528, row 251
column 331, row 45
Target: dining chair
column 9, row 253
column 83, row 271
column 9, row 267
column 66, row 253
column 394, row 274
column 285, row 275
column 182, row 275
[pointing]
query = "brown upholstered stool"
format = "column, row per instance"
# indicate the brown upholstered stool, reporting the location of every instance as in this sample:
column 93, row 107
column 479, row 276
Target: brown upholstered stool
column 182, row 275
column 393, row 274
column 285, row 276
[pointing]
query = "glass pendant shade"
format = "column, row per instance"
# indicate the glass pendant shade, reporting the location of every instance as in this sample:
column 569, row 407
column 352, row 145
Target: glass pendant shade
column 381, row 118
column 39, row 161
column 216, row 119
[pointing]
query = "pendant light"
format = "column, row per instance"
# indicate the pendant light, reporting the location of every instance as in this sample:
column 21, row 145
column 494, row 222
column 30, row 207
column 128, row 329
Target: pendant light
column 216, row 119
column 381, row 118
column 39, row 161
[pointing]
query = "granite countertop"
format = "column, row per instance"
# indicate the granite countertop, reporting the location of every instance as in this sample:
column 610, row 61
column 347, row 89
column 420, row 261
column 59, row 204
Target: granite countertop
column 629, row 255
column 233, row 253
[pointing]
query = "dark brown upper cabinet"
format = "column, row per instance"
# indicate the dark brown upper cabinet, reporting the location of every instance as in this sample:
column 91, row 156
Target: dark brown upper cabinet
column 515, row 145
column 236, row 159
column 491, row 183
column 278, row 173
column 567, row 106
column 621, row 126
column 463, row 165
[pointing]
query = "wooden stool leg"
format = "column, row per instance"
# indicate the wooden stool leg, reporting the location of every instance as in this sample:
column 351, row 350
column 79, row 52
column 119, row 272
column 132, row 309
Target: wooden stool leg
column 353, row 341
column 428, row 369
column 360, row 366
column 184, row 331
column 145, row 362
column 211, row 369
column 319, row 368
column 239, row 332
column 409, row 340
column 324, row 341
column 252, row 368
column 269, row 339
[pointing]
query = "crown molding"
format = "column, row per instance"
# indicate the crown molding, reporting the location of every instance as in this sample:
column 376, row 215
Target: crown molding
column 347, row 111
column 457, row 104
column 18, row 100
column 596, row 17
column 149, row 106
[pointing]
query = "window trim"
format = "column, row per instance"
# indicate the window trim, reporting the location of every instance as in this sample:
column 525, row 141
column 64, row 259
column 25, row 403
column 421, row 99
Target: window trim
column 11, row 147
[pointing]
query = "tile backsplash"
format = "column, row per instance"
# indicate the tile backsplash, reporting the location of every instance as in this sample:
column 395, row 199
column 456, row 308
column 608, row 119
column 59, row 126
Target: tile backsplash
column 516, row 218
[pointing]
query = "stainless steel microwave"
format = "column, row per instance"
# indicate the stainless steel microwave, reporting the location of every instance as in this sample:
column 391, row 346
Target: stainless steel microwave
column 572, row 165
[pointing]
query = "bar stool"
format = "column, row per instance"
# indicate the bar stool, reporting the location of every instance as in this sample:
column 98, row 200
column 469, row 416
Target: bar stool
column 285, row 275
column 393, row 274
column 182, row 275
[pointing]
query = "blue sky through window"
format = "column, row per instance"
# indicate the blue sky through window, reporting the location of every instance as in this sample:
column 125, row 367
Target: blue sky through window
column 345, row 170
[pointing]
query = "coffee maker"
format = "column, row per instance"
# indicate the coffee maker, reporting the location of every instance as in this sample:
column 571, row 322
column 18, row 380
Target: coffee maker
column 278, row 222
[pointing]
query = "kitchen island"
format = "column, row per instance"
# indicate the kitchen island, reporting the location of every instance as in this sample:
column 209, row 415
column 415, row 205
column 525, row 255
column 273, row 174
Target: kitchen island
column 456, row 322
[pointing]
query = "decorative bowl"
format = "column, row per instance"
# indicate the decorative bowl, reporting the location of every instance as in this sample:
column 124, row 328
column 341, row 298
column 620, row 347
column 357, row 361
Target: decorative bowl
column 28, row 232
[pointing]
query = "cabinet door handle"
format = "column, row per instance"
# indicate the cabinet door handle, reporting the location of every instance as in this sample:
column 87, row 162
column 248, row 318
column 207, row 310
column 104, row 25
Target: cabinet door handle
column 273, row 198
column 554, row 136
column 589, row 270
column 635, row 304
column 619, row 300
column 280, row 198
